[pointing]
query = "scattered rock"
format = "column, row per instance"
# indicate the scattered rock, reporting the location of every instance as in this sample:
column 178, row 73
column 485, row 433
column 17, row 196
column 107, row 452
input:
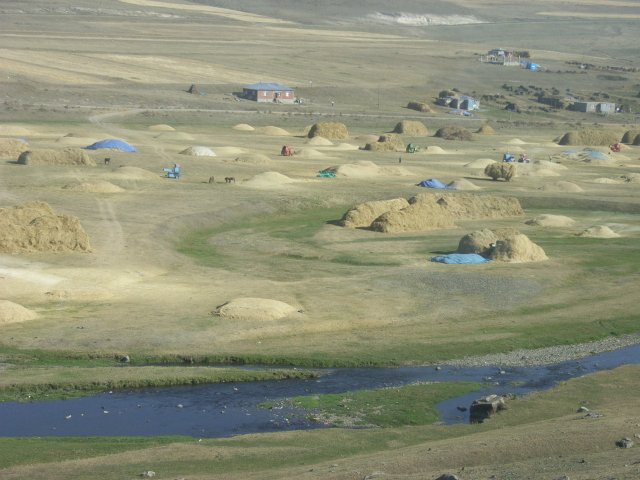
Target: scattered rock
column 448, row 476
column 148, row 474
column 625, row 442
column 484, row 407
column 125, row 359
column 582, row 409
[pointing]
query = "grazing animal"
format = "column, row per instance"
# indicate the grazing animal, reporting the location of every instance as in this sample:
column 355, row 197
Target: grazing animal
column 230, row 179
column 212, row 180
column 107, row 161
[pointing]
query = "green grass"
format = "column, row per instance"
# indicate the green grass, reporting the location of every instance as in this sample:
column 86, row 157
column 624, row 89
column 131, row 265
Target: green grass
column 388, row 407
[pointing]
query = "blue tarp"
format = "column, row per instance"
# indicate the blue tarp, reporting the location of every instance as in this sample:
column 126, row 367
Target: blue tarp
column 112, row 144
column 460, row 258
column 431, row 183
column 532, row 66
column 595, row 155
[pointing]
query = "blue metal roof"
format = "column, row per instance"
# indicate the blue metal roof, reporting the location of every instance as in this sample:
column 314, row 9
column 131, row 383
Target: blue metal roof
column 273, row 87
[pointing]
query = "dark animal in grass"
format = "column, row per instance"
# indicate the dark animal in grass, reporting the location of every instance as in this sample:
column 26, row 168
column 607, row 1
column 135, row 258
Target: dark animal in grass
column 230, row 179
column 107, row 161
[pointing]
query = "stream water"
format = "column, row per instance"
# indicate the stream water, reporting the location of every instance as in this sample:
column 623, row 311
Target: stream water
column 221, row 410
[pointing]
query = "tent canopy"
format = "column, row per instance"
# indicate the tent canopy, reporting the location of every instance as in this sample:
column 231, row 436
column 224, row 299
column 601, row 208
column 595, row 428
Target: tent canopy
column 431, row 183
column 112, row 144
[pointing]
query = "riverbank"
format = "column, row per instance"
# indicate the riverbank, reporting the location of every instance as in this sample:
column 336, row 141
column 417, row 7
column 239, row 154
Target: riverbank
column 548, row 355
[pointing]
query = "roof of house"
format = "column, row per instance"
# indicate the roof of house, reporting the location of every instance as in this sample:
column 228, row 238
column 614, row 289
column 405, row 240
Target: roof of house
column 275, row 87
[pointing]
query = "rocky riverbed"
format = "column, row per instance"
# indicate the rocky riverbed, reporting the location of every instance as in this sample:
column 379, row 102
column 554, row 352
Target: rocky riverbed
column 548, row 355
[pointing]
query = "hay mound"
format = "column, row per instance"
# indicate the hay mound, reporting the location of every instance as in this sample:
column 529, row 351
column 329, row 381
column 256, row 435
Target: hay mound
column 179, row 136
column 551, row 221
column 243, row 127
column 462, row 184
column 515, row 141
column 486, row 130
column 309, row 153
column 480, row 163
column 161, row 127
column 636, row 141
column 453, row 132
column 435, row 150
column 253, row 159
column 230, row 150
column 433, row 210
column 364, row 214
column 14, row 131
column 420, row 107
column 72, row 140
column 66, row 156
column 95, row 187
column 548, row 164
column 346, row 146
column 10, row 147
column 366, row 169
column 368, row 138
column 630, row 136
column 135, row 173
column 13, row 313
column 319, row 141
column 517, row 248
column 273, row 131
column 599, row 231
column 562, row 187
column 606, row 180
column 268, row 179
column 198, row 151
column 254, row 309
column 330, row 130
column 500, row 170
column 386, row 143
column 589, row 137
column 479, row 242
column 34, row 227
column 413, row 128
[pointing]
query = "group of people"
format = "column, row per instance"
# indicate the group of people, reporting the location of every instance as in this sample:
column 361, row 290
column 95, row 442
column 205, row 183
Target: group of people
column 508, row 157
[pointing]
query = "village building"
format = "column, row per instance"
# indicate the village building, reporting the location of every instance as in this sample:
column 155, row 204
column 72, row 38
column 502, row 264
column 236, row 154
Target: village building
column 500, row 56
column 268, row 92
column 594, row 107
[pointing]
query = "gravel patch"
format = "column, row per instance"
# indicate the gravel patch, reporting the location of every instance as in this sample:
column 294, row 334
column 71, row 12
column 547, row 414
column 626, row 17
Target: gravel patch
column 548, row 355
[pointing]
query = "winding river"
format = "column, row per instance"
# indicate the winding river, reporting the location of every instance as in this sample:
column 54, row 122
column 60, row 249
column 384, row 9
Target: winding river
column 222, row 410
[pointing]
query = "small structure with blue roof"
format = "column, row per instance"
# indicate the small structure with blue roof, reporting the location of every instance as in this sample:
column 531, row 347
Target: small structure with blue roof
column 268, row 92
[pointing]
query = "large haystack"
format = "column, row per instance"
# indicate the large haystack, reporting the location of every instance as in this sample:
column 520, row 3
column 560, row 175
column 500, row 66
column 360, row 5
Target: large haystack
column 479, row 242
column 362, row 215
column 330, row 130
column 161, row 127
column 66, row 156
column 387, row 143
column 517, row 248
column 412, row 128
column 589, row 137
column 253, row 309
column 636, row 141
column 420, row 107
column 545, row 220
column 462, row 184
column 34, row 227
column 10, row 147
column 629, row 136
column 367, row 169
column 453, row 132
column 319, row 141
column 486, row 129
column 13, row 313
column 502, row 170
column 433, row 210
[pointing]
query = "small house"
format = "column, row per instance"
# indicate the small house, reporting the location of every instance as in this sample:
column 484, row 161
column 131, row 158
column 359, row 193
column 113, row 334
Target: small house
column 595, row 107
column 268, row 92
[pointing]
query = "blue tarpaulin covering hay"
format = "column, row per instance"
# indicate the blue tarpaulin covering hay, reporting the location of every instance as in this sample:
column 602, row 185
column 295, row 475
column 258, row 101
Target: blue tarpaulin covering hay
column 595, row 155
column 431, row 183
column 111, row 144
column 460, row 259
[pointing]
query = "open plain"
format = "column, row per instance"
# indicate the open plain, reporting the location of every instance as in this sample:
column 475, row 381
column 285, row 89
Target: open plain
column 260, row 270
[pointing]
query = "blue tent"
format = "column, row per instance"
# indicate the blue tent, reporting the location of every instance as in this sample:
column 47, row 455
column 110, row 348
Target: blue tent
column 431, row 183
column 532, row 66
column 111, row 144
column 460, row 258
